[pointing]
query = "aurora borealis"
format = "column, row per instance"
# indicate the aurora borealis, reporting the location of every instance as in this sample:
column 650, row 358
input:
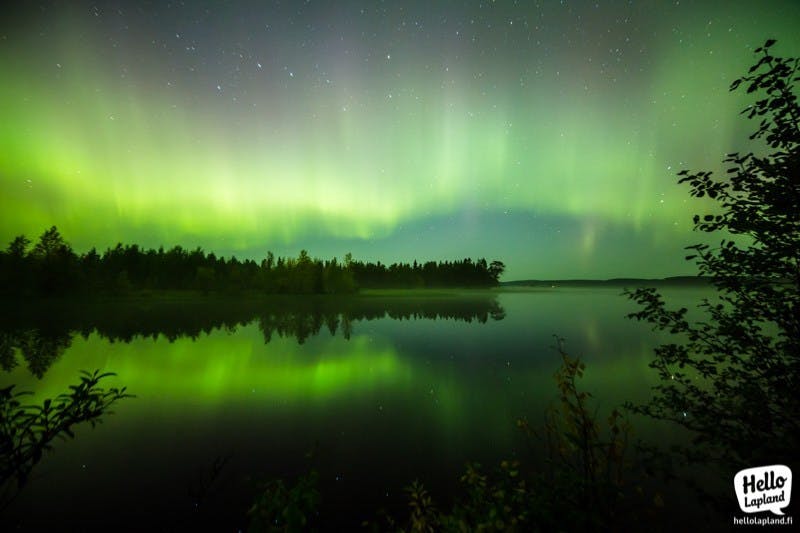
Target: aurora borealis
column 544, row 134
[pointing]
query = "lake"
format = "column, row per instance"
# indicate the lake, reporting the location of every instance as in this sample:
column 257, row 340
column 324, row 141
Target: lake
column 373, row 391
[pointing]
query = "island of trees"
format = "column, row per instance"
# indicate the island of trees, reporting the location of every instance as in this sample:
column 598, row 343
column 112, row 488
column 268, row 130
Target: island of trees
column 51, row 267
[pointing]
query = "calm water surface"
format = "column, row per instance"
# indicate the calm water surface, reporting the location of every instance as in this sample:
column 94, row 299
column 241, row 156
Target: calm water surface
column 382, row 389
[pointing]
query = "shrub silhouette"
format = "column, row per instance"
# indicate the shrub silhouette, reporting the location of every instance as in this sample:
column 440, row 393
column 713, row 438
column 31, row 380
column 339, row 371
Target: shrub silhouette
column 27, row 431
column 732, row 379
column 588, row 480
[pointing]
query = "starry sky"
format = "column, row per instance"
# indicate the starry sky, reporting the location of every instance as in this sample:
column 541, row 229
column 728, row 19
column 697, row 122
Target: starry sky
column 544, row 134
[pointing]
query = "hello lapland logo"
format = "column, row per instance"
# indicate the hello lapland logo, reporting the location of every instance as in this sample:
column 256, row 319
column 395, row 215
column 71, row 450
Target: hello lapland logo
column 764, row 488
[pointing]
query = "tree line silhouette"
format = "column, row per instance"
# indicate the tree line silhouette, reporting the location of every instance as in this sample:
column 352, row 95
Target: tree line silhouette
column 51, row 267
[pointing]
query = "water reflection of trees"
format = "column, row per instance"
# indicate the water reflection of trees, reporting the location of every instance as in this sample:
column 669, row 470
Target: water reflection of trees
column 338, row 316
column 38, row 347
column 39, row 334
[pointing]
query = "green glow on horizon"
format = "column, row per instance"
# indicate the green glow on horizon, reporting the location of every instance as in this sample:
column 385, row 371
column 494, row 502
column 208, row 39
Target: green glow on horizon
column 123, row 154
column 109, row 151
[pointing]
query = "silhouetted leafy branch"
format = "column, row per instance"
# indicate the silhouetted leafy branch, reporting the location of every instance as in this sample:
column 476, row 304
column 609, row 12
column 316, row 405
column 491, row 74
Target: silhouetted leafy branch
column 27, row 431
column 732, row 379
column 279, row 507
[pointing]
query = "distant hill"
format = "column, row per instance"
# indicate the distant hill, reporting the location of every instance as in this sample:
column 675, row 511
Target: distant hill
column 676, row 281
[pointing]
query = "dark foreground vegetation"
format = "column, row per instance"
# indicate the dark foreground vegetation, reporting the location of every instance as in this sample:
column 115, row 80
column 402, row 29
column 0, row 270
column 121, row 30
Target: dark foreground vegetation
column 28, row 430
column 51, row 267
column 732, row 379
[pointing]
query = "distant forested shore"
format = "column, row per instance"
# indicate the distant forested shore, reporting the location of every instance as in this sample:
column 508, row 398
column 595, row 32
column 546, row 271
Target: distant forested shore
column 613, row 282
column 51, row 267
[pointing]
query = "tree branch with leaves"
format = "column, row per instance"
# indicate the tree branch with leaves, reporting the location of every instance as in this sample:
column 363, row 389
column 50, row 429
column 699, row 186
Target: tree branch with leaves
column 27, row 431
column 732, row 378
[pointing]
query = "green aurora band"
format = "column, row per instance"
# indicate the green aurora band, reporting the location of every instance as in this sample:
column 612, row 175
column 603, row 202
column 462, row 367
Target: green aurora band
column 120, row 139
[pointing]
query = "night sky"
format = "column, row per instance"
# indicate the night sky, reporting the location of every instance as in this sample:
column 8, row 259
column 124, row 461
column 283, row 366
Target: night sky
column 543, row 134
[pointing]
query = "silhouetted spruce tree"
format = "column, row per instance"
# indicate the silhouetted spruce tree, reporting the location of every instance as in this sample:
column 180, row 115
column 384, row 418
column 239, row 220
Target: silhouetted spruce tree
column 734, row 378
column 55, row 263
column 15, row 266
